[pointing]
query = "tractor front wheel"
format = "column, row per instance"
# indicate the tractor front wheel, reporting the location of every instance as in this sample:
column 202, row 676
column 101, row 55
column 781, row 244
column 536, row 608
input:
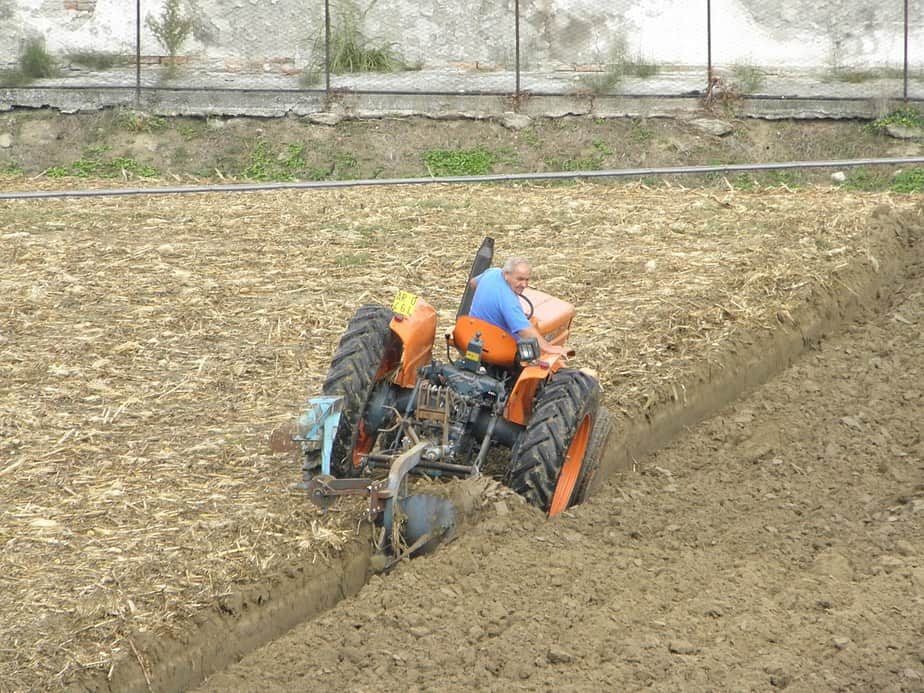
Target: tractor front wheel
column 553, row 458
column 367, row 355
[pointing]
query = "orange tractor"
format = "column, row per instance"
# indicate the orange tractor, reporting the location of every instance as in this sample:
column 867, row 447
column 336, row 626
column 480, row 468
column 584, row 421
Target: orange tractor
column 389, row 405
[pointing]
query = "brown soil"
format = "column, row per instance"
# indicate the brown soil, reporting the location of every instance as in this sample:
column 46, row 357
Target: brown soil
column 778, row 545
column 150, row 345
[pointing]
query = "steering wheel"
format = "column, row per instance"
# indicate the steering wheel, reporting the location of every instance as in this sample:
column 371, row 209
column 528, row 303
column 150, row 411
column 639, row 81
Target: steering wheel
column 532, row 309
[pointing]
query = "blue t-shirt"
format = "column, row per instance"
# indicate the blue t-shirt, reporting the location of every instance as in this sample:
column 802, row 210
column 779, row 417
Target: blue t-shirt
column 496, row 303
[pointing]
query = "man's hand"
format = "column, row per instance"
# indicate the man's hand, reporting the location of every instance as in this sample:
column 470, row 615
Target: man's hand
column 545, row 346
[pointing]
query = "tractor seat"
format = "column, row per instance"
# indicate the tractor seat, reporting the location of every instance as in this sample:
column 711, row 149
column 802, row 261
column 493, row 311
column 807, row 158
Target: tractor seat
column 500, row 347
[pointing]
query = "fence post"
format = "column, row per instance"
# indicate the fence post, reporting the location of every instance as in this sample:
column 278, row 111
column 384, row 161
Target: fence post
column 905, row 71
column 708, row 44
column 138, row 54
column 327, row 47
column 516, row 50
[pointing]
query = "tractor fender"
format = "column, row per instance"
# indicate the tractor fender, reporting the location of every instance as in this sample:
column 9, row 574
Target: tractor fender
column 520, row 402
column 417, row 332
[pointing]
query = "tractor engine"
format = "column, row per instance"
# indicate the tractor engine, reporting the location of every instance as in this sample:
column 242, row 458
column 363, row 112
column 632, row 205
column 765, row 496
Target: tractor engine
column 453, row 406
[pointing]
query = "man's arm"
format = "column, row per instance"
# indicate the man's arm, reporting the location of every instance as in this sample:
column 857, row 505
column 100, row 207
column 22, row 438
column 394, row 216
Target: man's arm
column 544, row 345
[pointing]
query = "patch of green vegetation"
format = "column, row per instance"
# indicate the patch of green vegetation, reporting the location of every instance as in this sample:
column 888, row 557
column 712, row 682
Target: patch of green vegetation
column 171, row 28
column 11, row 169
column 745, row 181
column 747, row 78
column 352, row 260
column 911, row 181
column 191, row 130
column 790, row 178
column 602, row 82
column 619, row 66
column 345, row 166
column 34, row 63
column 864, row 180
column 93, row 164
column 135, row 121
column 265, row 165
column 638, row 133
column 438, row 203
column 531, row 137
column 594, row 163
column 371, row 237
column 906, row 116
column 602, row 147
column 94, row 60
column 639, row 66
column 350, row 49
column 459, row 162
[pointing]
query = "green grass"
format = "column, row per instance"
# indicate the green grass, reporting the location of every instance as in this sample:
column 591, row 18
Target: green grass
column 593, row 163
column 639, row 134
column 93, row 164
column 352, row 260
column 791, row 178
column 265, row 165
column 531, row 137
column 906, row 116
column 911, row 181
column 134, row 121
column 907, row 181
column 459, row 162
column 602, row 147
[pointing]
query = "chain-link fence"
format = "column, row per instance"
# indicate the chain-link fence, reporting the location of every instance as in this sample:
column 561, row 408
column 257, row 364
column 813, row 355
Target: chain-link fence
column 712, row 48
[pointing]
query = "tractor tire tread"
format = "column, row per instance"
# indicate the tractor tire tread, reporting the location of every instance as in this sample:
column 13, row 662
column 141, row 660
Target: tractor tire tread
column 539, row 453
column 352, row 373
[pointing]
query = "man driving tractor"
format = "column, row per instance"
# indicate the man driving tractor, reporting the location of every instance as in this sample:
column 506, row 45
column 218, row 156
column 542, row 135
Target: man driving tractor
column 496, row 300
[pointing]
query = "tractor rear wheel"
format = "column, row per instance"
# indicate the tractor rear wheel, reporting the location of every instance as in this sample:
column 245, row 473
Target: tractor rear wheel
column 549, row 458
column 367, row 354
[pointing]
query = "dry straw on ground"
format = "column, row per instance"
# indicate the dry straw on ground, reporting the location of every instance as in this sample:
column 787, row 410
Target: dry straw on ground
column 149, row 345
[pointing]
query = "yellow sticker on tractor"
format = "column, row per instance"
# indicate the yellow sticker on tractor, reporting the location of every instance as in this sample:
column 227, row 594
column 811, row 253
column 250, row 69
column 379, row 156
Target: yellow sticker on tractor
column 404, row 303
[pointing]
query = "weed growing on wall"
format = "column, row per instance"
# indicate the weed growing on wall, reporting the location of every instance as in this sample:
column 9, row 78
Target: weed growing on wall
column 171, row 28
column 95, row 60
column 621, row 65
column 351, row 51
column 747, row 79
column 34, row 63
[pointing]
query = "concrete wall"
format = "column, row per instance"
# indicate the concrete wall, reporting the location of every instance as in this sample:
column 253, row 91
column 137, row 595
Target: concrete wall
column 554, row 33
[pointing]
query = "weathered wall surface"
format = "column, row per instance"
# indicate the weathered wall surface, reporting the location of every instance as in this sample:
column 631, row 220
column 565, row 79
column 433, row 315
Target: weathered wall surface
column 432, row 33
